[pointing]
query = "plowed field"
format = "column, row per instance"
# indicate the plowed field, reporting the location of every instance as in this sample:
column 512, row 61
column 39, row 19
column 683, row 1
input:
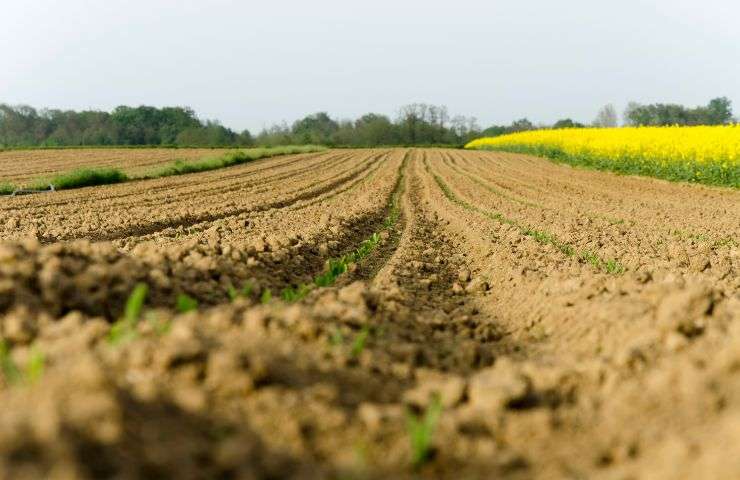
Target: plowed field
column 24, row 166
column 561, row 323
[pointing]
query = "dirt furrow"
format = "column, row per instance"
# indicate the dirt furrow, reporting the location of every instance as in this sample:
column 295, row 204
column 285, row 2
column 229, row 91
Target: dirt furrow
column 670, row 237
column 646, row 249
column 571, row 344
column 268, row 251
column 307, row 193
column 182, row 232
column 649, row 199
column 469, row 339
column 123, row 220
column 170, row 189
column 426, row 274
column 23, row 165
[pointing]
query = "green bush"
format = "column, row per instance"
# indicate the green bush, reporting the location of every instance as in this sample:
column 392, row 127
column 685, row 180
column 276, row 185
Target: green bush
column 84, row 177
column 229, row 159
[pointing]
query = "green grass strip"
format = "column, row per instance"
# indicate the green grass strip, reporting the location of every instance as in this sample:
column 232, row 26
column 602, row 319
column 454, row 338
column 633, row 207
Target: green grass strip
column 229, row 159
column 83, row 177
column 708, row 173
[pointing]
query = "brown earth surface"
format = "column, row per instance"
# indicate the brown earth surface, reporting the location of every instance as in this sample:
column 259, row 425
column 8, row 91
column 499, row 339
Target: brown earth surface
column 21, row 167
column 570, row 323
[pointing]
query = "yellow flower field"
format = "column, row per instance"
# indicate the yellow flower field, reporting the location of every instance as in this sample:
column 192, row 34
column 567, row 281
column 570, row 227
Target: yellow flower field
column 705, row 154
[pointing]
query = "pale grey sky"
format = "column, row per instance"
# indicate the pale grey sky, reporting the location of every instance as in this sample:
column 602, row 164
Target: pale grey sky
column 253, row 63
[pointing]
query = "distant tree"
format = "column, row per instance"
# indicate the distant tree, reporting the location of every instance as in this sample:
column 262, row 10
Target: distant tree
column 521, row 125
column 464, row 129
column 635, row 114
column 18, row 125
column 719, row 111
column 567, row 123
column 170, row 121
column 374, row 129
column 494, row 131
column 317, row 128
column 607, row 117
column 245, row 139
column 143, row 125
column 410, row 118
column 345, row 134
column 275, row 135
column 439, row 117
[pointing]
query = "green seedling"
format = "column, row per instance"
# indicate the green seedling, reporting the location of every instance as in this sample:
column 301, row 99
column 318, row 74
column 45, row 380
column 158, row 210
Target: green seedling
column 591, row 258
column 290, row 294
column 186, row 303
column 245, row 292
column 421, row 431
column 233, row 294
column 135, row 302
column 728, row 241
column 125, row 328
column 35, row 367
column 10, row 370
column 361, row 455
column 338, row 266
column 325, row 279
column 336, row 337
column 13, row 374
column 358, row 345
column 614, row 267
column 266, row 296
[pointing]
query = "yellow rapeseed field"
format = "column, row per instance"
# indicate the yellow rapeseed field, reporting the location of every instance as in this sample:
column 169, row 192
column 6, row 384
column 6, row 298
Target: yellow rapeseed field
column 706, row 154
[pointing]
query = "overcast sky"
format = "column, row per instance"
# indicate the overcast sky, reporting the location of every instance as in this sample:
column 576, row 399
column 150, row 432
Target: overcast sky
column 253, row 63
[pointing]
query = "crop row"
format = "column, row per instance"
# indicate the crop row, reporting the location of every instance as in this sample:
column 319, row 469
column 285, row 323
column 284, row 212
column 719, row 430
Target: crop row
column 611, row 266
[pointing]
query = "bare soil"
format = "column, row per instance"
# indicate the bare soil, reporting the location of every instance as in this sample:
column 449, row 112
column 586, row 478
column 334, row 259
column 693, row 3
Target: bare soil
column 546, row 364
column 20, row 167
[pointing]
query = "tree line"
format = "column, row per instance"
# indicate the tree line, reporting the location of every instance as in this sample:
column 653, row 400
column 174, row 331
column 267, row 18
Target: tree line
column 415, row 124
column 717, row 112
column 24, row 126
